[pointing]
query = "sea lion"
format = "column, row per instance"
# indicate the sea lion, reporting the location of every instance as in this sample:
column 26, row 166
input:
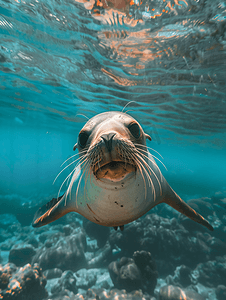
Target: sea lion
column 117, row 179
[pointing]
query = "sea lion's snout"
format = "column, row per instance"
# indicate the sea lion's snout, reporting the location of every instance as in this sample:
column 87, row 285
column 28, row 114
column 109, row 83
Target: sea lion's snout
column 112, row 162
column 107, row 138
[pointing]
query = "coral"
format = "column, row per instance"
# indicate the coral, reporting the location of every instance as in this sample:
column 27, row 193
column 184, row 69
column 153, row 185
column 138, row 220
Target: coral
column 148, row 270
column 211, row 273
column 102, row 294
column 66, row 282
column 125, row 274
column 66, row 254
column 133, row 274
column 170, row 292
column 86, row 278
column 22, row 283
column 181, row 278
column 114, row 294
column 21, row 254
column 102, row 257
column 52, row 273
column 221, row 292
column 170, row 243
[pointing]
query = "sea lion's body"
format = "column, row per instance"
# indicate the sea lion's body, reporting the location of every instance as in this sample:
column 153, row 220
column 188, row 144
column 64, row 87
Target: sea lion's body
column 117, row 180
column 124, row 201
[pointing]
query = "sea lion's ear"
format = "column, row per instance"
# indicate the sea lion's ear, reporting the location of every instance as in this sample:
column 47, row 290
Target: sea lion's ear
column 75, row 147
column 148, row 137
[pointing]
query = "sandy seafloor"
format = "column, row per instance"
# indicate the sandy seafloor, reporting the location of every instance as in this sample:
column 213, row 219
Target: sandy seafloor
column 160, row 256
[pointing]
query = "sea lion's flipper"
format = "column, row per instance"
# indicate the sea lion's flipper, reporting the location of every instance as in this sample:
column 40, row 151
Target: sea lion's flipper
column 51, row 211
column 121, row 227
column 172, row 199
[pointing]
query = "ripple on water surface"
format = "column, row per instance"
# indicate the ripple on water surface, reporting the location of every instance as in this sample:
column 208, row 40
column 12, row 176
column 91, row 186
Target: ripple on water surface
column 168, row 56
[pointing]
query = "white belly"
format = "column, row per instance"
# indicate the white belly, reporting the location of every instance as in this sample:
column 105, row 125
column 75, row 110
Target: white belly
column 114, row 203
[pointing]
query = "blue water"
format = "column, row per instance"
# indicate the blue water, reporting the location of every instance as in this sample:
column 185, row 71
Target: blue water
column 60, row 60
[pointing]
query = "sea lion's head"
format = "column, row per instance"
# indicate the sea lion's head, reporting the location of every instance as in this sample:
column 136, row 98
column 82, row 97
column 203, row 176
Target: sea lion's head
column 112, row 145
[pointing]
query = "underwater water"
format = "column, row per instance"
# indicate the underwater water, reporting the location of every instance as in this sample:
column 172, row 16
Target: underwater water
column 62, row 62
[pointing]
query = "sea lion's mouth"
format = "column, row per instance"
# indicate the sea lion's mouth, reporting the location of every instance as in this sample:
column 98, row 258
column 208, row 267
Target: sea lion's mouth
column 114, row 170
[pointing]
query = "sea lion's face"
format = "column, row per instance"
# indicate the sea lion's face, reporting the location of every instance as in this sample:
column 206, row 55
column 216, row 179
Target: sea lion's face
column 108, row 145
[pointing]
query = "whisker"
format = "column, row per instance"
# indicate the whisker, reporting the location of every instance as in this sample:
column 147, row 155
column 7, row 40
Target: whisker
column 89, row 171
column 89, row 176
column 68, row 159
column 76, row 203
column 78, row 163
column 72, row 157
column 64, row 182
column 159, row 161
column 124, row 157
column 153, row 160
column 128, row 104
column 127, row 151
column 128, row 110
column 78, row 168
column 98, row 161
column 69, row 188
column 150, row 181
column 148, row 176
column 82, row 115
column 64, row 169
column 140, row 155
column 130, row 154
column 160, row 187
column 149, row 148
column 141, row 172
column 135, row 153
column 81, row 165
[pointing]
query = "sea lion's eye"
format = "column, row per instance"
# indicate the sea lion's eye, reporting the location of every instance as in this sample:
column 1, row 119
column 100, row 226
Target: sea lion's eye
column 135, row 130
column 82, row 138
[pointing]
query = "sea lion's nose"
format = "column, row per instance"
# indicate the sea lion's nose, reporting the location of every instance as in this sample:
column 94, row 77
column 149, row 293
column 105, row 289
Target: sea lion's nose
column 107, row 138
